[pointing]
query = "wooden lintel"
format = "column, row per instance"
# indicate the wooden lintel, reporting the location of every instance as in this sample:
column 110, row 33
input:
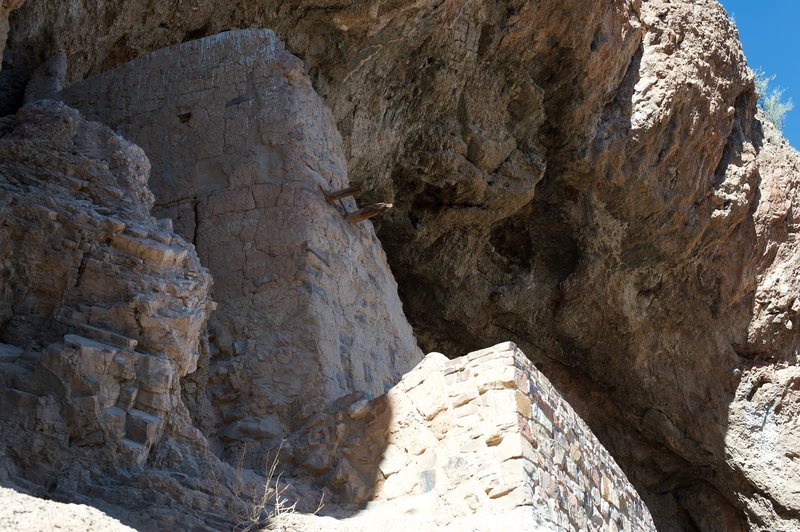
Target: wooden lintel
column 368, row 212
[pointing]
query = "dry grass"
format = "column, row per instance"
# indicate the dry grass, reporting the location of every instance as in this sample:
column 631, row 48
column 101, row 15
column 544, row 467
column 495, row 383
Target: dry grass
column 268, row 506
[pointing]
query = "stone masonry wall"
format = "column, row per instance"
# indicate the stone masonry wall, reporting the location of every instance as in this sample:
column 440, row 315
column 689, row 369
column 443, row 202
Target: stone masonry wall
column 241, row 148
column 470, row 441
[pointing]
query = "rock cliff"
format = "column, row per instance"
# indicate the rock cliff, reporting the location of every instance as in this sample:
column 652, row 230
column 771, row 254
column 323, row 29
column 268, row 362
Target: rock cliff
column 104, row 313
column 591, row 181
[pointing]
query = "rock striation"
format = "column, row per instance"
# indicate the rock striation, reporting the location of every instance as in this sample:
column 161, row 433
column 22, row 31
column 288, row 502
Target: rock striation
column 101, row 313
column 242, row 150
column 113, row 303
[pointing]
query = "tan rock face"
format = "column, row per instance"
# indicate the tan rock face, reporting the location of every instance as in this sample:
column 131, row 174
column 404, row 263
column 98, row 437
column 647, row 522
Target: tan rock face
column 82, row 253
column 308, row 309
column 585, row 178
column 762, row 438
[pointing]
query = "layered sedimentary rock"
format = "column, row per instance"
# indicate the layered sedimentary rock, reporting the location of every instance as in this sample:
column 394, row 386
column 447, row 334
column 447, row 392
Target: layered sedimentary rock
column 242, row 150
column 101, row 314
column 83, row 257
column 589, row 179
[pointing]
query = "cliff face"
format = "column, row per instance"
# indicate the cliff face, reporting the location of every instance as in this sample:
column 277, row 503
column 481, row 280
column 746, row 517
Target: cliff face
column 591, row 180
column 104, row 309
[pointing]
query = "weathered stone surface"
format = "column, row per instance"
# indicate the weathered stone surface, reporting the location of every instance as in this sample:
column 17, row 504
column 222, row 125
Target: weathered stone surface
column 521, row 454
column 23, row 513
column 6, row 7
column 242, row 148
column 48, row 79
column 97, row 332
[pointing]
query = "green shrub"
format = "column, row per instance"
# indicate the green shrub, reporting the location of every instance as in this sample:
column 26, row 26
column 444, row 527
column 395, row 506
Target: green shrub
column 771, row 100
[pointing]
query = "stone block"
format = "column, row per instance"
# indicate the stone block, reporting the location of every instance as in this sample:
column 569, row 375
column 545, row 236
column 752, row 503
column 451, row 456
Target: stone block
column 141, row 427
column 497, row 377
column 444, row 423
column 462, row 392
column 403, row 482
column 105, row 336
column 513, row 446
column 88, row 406
column 504, row 347
column 418, row 441
column 154, row 374
column 133, row 452
column 114, row 420
column 609, row 491
column 153, row 252
column 427, row 480
column 468, row 420
column 393, row 460
column 161, row 402
column 429, row 396
column 124, row 367
column 127, row 397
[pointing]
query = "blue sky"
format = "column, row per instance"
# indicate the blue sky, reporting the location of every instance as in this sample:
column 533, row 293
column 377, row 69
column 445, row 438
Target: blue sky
column 769, row 30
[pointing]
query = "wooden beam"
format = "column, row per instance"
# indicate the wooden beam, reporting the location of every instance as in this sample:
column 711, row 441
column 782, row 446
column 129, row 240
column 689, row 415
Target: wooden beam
column 330, row 197
column 368, row 212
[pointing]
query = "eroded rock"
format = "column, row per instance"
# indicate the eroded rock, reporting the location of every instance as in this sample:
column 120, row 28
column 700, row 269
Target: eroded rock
column 101, row 314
